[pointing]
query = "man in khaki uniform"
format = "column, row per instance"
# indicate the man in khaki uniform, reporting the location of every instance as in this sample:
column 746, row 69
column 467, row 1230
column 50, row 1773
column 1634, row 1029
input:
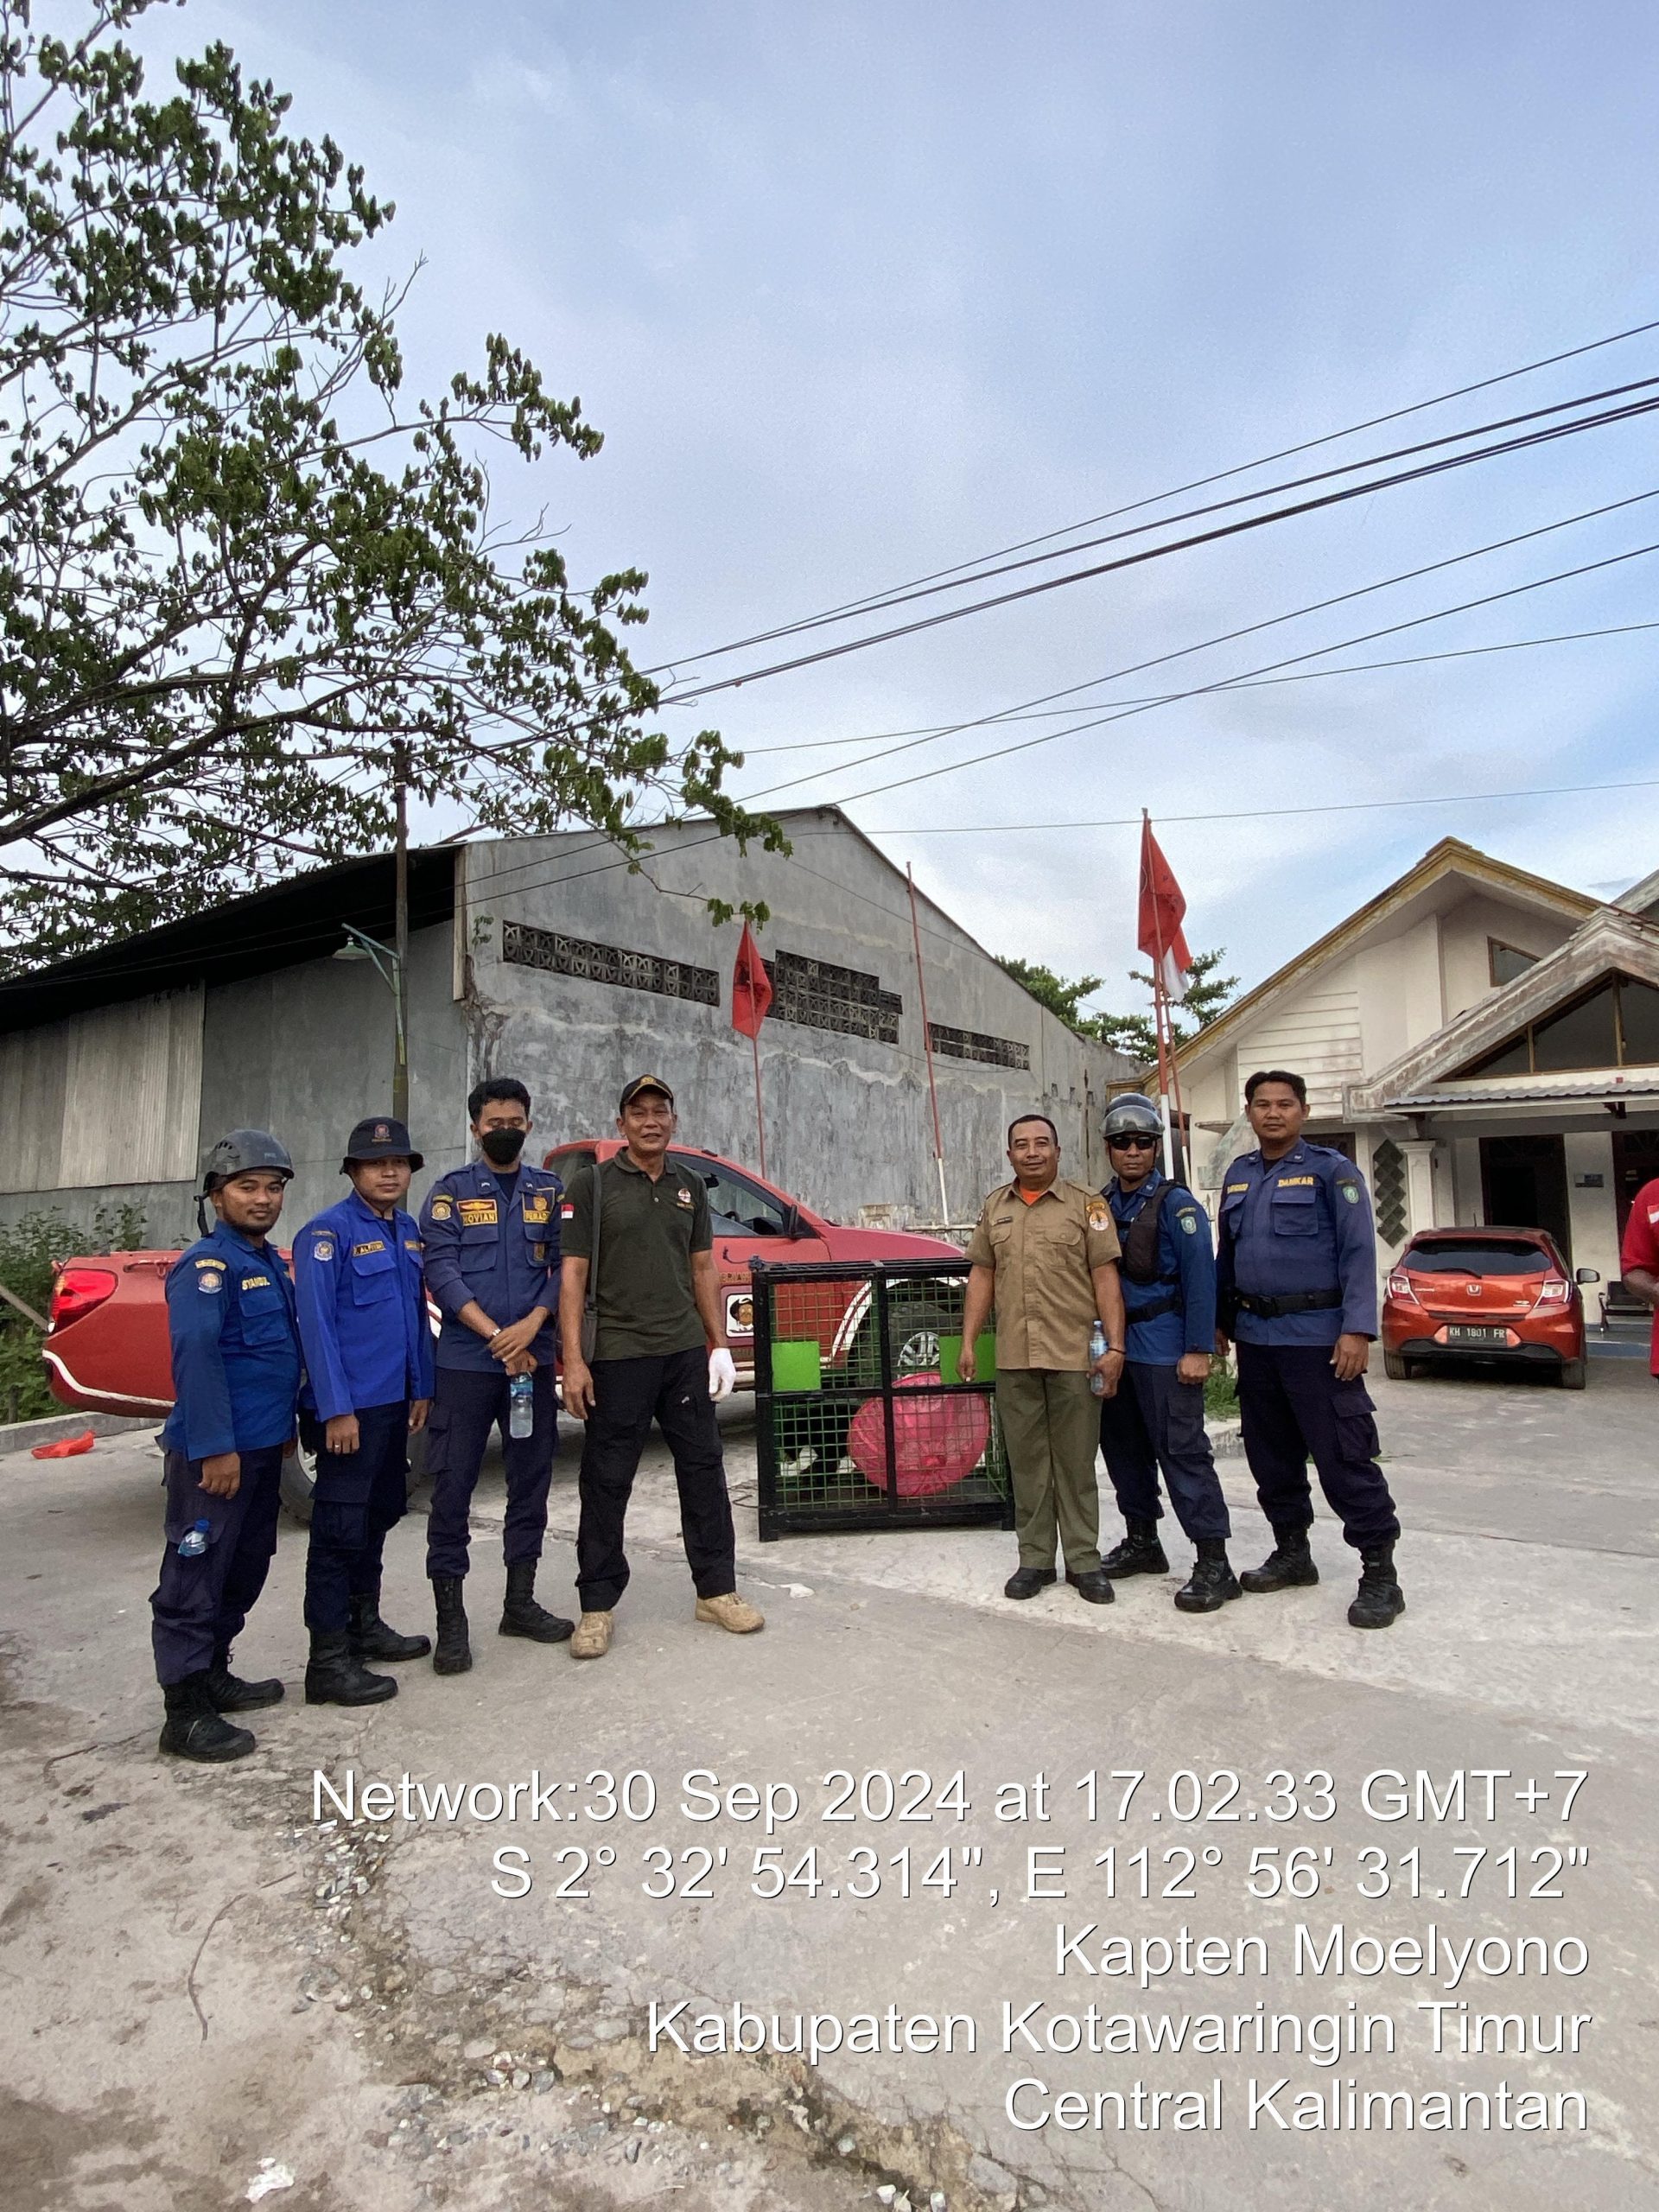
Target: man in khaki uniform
column 1045, row 1253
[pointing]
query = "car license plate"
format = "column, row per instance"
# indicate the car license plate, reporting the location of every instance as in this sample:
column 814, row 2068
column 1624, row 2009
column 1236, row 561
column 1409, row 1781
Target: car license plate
column 1466, row 1333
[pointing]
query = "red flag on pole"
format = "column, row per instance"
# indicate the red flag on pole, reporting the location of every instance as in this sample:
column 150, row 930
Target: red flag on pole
column 750, row 987
column 1162, row 911
column 751, row 996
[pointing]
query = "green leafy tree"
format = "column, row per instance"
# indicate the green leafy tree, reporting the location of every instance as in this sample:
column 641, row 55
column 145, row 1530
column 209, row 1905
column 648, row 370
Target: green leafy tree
column 1207, row 993
column 244, row 577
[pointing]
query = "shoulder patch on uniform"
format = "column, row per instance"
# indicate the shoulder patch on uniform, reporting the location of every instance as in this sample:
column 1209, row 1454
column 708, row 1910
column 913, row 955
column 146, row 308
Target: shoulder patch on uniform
column 1099, row 1214
column 1189, row 1223
column 443, row 1209
column 478, row 1213
column 1653, row 1215
column 1350, row 1192
column 218, row 1263
column 567, row 1212
column 323, row 1248
column 214, row 1280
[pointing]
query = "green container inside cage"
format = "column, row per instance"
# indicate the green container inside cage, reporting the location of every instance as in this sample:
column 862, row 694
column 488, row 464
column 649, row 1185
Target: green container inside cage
column 798, row 1364
column 984, row 1358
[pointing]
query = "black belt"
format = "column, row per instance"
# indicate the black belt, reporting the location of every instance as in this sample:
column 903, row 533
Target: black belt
column 1171, row 1303
column 1290, row 1301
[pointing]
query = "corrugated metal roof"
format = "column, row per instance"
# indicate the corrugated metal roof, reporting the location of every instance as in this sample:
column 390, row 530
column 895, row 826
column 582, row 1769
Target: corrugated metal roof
column 1511, row 1094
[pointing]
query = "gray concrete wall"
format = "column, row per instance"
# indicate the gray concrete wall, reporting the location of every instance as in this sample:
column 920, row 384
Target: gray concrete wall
column 169, row 1209
column 847, row 1118
column 307, row 1051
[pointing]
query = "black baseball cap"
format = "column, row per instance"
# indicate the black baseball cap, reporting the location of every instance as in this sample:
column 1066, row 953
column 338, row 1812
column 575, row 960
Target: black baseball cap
column 380, row 1138
column 642, row 1082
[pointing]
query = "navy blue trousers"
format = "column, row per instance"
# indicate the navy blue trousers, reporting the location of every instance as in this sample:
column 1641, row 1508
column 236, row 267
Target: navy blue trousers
column 466, row 1407
column 1156, row 1420
column 197, row 1607
column 628, row 1395
column 359, row 1497
column 1293, row 1409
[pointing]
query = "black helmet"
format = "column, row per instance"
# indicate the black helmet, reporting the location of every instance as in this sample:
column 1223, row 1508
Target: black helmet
column 241, row 1151
column 1132, row 1115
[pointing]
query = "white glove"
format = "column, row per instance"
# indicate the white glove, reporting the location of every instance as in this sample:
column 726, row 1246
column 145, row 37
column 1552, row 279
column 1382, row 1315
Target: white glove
column 722, row 1375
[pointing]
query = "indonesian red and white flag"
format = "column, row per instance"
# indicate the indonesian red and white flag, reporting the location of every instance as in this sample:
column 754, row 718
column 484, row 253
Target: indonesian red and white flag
column 751, row 986
column 1162, row 911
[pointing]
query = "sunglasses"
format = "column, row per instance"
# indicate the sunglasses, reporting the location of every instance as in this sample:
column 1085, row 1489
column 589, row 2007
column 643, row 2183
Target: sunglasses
column 1131, row 1144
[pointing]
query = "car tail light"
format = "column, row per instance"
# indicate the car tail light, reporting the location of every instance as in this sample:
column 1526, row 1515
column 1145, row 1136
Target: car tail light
column 76, row 1291
column 1401, row 1286
column 1554, row 1290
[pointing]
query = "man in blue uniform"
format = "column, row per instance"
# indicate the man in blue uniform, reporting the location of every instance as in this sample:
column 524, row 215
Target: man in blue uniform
column 1156, row 1420
column 368, row 1387
column 236, row 1379
column 1296, row 1285
column 491, row 1231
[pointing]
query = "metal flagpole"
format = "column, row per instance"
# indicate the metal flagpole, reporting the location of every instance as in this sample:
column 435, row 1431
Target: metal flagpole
column 927, row 1042
column 759, row 1117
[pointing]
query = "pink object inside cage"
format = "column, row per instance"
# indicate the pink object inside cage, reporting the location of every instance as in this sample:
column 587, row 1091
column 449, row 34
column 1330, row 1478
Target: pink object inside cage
column 937, row 1439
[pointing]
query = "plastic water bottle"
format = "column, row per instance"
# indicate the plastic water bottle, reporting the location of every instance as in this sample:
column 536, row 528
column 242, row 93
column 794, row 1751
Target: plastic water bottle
column 521, row 1406
column 1096, row 1346
column 194, row 1542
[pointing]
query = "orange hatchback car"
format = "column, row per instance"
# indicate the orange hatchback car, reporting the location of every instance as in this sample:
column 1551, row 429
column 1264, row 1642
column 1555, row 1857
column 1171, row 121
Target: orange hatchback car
column 1503, row 1295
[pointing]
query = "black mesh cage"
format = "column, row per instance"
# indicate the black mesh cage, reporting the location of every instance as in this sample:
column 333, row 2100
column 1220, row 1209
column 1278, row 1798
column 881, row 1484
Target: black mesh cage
column 860, row 1420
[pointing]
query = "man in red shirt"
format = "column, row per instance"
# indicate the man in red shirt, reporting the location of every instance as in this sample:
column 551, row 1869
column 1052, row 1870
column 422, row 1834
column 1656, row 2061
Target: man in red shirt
column 1638, row 1257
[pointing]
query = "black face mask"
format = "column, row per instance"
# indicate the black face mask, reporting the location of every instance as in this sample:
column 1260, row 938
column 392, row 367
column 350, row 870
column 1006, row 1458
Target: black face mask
column 503, row 1147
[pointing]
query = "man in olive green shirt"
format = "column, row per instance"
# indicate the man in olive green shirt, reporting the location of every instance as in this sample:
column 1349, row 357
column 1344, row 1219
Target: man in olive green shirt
column 1044, row 1253
column 659, row 1353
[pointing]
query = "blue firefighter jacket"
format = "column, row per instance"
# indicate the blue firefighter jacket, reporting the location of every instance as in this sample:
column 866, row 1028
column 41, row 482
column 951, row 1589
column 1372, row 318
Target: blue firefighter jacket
column 1186, row 1269
column 1300, row 1224
column 362, row 1310
column 497, row 1244
column 236, row 1349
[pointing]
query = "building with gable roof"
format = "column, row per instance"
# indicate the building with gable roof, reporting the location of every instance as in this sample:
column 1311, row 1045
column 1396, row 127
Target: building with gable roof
column 1484, row 1042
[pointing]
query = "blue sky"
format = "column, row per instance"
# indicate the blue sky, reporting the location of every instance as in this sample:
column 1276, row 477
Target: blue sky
column 856, row 292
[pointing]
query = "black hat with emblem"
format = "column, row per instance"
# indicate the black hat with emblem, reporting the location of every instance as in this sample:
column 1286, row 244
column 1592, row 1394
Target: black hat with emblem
column 380, row 1138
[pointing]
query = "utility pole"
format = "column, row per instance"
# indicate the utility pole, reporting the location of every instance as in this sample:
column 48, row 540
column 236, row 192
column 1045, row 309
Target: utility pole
column 400, row 938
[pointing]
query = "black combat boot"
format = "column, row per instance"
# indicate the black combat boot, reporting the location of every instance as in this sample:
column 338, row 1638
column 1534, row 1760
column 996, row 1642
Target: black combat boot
column 334, row 1677
column 1211, row 1582
column 194, row 1729
column 230, row 1693
column 1095, row 1587
column 1140, row 1553
column 522, row 1616
column 453, row 1654
column 1379, row 1601
column 1288, row 1566
column 370, row 1637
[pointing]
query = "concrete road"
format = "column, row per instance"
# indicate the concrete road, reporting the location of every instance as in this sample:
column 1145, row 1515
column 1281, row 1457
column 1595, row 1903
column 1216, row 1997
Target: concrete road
column 220, row 1988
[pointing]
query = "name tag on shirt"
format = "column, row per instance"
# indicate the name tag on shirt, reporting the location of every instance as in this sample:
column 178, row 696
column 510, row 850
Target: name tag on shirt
column 1295, row 1182
column 378, row 1244
column 254, row 1282
column 478, row 1213
column 1233, row 1189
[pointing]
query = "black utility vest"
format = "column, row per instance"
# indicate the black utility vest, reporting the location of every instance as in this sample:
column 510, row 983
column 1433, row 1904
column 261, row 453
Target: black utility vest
column 1140, row 1241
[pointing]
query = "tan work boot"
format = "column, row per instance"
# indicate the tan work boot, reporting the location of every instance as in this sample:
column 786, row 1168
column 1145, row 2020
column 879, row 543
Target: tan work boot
column 591, row 1639
column 731, row 1612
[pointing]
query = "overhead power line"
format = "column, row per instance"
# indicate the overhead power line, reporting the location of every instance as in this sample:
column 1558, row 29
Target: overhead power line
column 1242, row 684
column 1237, row 500
column 1628, row 413
column 1275, row 813
column 1179, row 490
column 1222, row 637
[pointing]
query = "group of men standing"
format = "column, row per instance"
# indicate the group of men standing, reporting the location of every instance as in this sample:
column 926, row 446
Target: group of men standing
column 341, row 1355
column 1111, row 1306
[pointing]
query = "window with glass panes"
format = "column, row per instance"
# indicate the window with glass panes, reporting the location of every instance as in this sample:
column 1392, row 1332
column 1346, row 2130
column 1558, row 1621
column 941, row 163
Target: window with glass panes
column 1615, row 1024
